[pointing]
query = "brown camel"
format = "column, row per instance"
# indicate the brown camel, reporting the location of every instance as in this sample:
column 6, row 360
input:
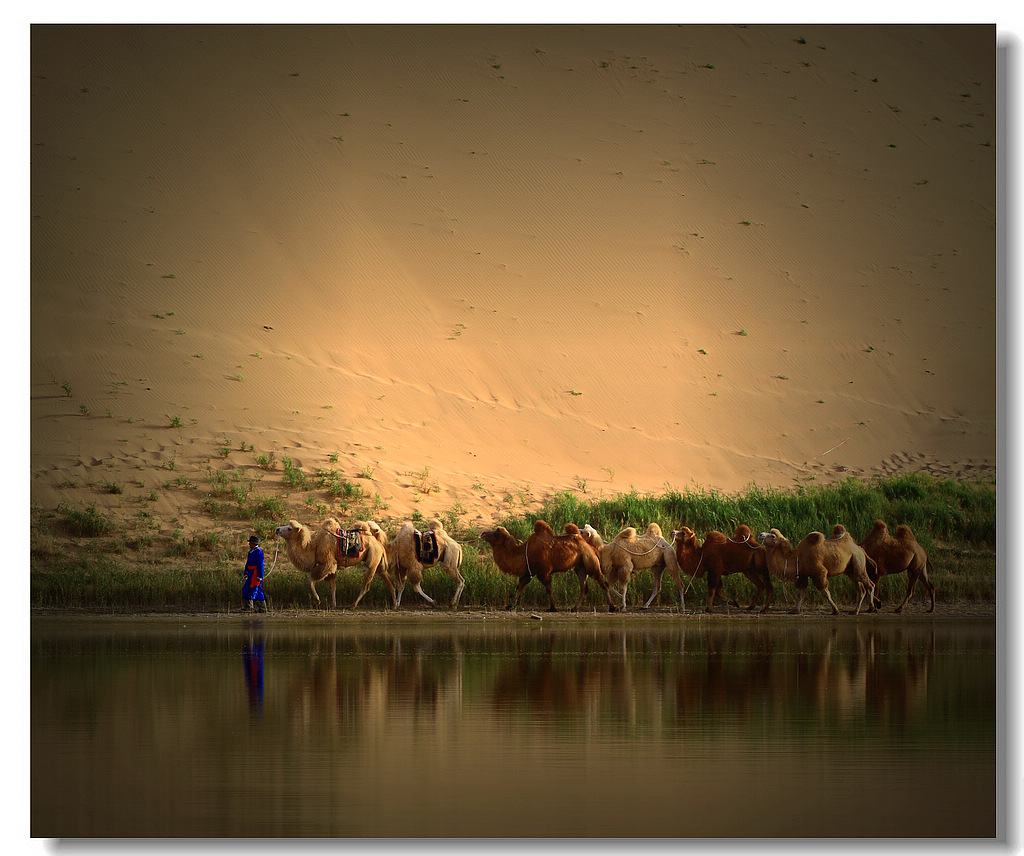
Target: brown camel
column 894, row 555
column 320, row 554
column 817, row 558
column 628, row 552
column 721, row 555
column 543, row 555
column 410, row 551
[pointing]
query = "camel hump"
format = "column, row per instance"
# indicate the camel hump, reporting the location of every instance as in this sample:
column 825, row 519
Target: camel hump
column 838, row 531
column 330, row 524
column 436, row 525
column 654, row 530
column 542, row 527
column 880, row 525
column 903, row 532
column 714, row 537
column 627, row 534
column 572, row 529
column 742, row 533
column 814, row 539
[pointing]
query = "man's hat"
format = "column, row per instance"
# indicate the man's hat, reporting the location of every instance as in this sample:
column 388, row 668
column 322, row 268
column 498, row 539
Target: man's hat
column 254, row 539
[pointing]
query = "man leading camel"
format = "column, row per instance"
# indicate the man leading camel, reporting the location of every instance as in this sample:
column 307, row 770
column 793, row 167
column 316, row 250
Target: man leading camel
column 252, row 580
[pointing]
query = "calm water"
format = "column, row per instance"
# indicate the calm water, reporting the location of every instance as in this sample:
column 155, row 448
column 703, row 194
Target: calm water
column 572, row 727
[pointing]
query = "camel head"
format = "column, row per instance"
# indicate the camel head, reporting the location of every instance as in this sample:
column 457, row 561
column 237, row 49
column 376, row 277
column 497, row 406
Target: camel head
column 685, row 537
column 592, row 537
column 498, row 537
column 772, row 538
column 291, row 530
column 377, row 532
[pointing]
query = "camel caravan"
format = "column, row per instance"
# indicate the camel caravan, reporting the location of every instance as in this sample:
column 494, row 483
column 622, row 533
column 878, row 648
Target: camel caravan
column 815, row 559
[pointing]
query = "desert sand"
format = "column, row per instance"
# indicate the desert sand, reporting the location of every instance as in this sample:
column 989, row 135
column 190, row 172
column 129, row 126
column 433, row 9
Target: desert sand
column 471, row 266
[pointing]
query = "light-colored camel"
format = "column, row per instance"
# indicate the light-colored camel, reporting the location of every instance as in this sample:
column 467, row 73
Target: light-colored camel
column 817, row 558
column 628, row 552
column 317, row 554
column 721, row 555
column 544, row 554
column 894, row 555
column 406, row 564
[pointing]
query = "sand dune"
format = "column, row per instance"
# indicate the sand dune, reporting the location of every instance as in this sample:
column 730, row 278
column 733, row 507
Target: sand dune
column 475, row 265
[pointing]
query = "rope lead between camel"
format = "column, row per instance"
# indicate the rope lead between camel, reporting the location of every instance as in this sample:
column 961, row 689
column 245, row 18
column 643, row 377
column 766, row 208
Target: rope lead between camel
column 277, row 545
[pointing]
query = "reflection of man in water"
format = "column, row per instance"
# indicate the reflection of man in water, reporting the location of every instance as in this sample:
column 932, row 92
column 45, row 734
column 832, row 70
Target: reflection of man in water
column 253, row 659
column 252, row 583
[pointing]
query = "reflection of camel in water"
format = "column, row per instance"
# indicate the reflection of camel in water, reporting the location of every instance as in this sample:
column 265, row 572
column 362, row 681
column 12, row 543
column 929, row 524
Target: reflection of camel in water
column 897, row 678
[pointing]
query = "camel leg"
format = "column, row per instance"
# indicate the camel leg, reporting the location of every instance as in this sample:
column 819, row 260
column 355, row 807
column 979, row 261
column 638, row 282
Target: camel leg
column 416, row 587
column 862, row 590
column 523, row 580
column 601, row 581
column 823, row 587
column 460, row 585
column 656, row 573
column 769, row 589
column 801, row 590
column 367, row 579
column 712, row 580
column 399, row 587
column 546, row 582
column 762, row 587
column 332, row 581
column 682, row 589
column 312, row 588
column 621, row 596
column 581, row 575
column 911, row 586
column 880, row 572
column 381, row 570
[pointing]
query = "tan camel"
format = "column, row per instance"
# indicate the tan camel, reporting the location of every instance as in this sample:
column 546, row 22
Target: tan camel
column 410, row 551
column 894, row 555
column 543, row 555
column 320, row 554
column 817, row 558
column 721, row 555
column 628, row 552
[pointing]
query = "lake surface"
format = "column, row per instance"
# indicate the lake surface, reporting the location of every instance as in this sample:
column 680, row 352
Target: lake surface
column 581, row 726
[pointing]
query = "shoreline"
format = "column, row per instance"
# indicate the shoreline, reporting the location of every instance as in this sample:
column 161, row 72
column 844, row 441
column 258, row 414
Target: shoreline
column 963, row 610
